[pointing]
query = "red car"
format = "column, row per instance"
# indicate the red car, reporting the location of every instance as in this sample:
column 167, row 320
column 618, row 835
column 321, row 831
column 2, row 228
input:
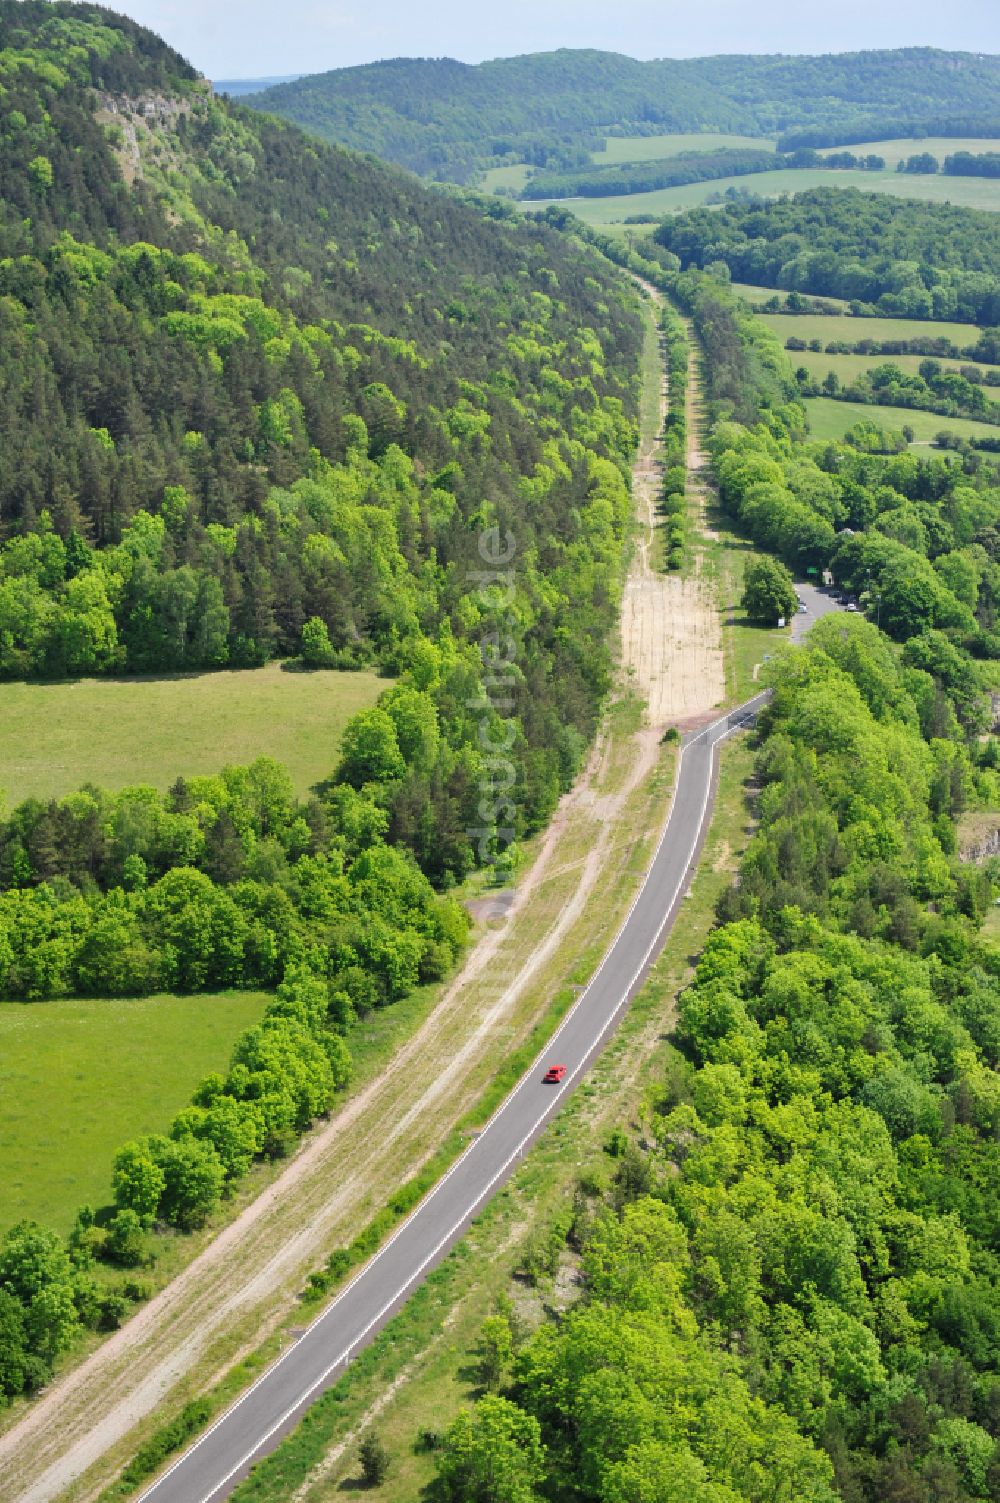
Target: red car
column 554, row 1075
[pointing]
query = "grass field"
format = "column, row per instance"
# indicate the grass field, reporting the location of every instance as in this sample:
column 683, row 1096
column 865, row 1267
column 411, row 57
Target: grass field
column 898, row 150
column 755, row 294
column 506, row 177
column 78, row 1078
column 849, row 367
column 832, row 419
column 113, row 732
column 654, row 148
column 829, row 327
column 971, row 193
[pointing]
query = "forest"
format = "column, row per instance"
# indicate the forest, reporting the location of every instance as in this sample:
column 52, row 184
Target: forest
column 449, row 120
column 884, row 255
column 231, row 436
column 789, row 1290
column 259, row 398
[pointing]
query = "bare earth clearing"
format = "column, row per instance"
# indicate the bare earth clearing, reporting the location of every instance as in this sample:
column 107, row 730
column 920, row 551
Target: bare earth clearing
column 567, row 904
column 671, row 630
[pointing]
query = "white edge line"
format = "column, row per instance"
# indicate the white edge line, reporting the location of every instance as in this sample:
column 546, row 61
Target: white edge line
column 550, row 1109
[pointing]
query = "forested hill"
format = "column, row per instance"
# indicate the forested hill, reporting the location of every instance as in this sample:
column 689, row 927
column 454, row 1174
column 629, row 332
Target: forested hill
column 260, row 397
column 447, row 119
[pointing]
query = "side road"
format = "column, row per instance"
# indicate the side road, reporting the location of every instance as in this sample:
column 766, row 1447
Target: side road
column 256, row 1423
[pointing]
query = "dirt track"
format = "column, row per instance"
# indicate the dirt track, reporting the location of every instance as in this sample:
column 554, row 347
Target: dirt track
column 671, row 628
column 245, row 1281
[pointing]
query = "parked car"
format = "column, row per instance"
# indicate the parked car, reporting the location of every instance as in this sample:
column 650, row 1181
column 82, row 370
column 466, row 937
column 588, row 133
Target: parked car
column 554, row 1075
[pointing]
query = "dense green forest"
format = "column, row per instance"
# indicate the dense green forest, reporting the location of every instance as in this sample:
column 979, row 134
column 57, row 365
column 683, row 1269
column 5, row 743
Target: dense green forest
column 261, row 397
column 449, row 120
column 893, row 256
column 790, row 1286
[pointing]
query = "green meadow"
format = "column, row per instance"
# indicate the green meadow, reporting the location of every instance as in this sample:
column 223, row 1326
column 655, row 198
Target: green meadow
column 849, row 367
column 113, row 732
column 972, row 193
column 830, row 327
column 832, row 419
column 79, row 1078
column 654, row 148
column 757, row 294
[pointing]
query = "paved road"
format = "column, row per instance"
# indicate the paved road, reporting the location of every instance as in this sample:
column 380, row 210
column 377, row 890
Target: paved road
column 255, row 1424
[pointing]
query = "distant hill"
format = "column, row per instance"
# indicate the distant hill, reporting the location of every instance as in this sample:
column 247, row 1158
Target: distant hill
column 448, row 120
column 237, row 87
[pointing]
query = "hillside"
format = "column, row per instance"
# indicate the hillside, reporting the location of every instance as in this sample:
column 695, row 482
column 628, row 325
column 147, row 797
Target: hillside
column 251, row 383
column 447, row 120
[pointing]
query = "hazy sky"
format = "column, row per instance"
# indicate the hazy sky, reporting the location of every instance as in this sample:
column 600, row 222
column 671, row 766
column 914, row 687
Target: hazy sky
column 247, row 38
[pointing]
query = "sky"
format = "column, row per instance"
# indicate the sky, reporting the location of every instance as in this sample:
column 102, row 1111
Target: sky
column 256, row 38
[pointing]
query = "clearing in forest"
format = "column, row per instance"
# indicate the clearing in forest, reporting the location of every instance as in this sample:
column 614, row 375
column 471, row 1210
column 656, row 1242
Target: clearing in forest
column 114, row 1069
column 829, row 418
column 671, row 626
column 118, row 731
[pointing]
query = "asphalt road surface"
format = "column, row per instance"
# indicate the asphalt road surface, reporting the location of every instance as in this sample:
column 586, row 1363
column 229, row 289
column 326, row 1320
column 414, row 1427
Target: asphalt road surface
column 256, row 1423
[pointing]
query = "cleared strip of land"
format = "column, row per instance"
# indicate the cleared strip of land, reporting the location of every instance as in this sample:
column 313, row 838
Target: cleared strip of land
column 671, row 626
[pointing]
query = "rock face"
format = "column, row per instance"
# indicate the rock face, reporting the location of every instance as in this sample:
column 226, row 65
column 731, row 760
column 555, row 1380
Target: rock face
column 979, row 837
column 145, row 112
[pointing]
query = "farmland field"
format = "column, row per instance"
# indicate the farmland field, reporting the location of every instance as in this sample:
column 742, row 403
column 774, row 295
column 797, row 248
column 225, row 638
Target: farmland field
column 112, row 1069
column 514, row 177
column 898, row 150
column 756, row 294
column 849, row 367
column 654, row 148
column 829, row 327
column 831, row 419
column 54, row 737
column 972, row 193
